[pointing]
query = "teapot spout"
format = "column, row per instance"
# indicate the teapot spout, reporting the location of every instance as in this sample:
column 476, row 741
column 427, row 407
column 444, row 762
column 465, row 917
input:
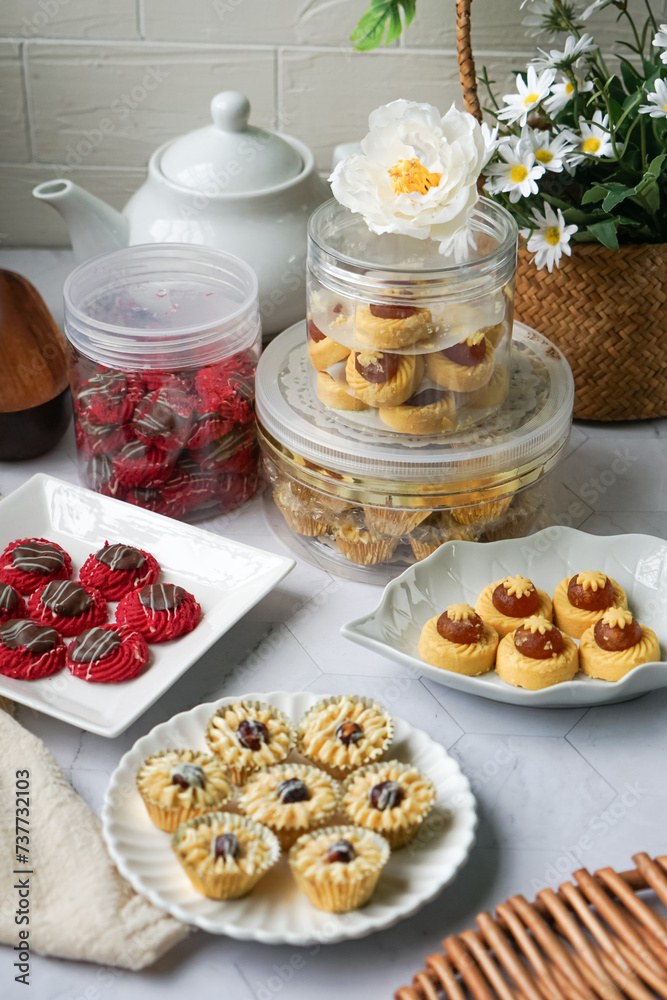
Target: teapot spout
column 94, row 226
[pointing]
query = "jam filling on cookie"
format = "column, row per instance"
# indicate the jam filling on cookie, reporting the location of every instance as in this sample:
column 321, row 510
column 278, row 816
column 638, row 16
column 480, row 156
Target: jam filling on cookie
column 161, row 596
column 538, row 639
column 617, row 630
column 9, row 599
column 188, row 776
column 386, row 795
column 314, row 333
column 341, row 850
column 460, row 623
column 426, row 397
column 376, row 366
column 37, row 557
column 28, row 635
column 93, row 644
column 467, row 353
column 385, row 311
column 292, row 790
column 590, row 591
column 349, row 732
column 226, row 846
column 64, row 597
column 120, row 557
column 252, row 733
column 516, row 597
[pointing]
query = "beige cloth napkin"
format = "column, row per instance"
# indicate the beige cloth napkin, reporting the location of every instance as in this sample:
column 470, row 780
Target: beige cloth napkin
column 80, row 907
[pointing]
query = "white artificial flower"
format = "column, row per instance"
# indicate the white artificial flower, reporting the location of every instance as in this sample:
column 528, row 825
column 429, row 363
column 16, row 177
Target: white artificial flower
column 660, row 41
column 596, row 5
column 417, row 172
column 550, row 150
column 517, row 175
column 657, row 106
column 571, row 54
column 550, row 240
column 459, row 245
column 530, row 94
column 534, row 19
column 593, row 139
column 491, row 141
column 561, row 94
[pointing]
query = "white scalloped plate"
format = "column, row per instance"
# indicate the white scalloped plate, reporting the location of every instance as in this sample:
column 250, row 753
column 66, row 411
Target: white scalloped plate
column 276, row 912
column 458, row 571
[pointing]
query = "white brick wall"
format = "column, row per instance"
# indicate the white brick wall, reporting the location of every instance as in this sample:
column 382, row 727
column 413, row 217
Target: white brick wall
column 148, row 69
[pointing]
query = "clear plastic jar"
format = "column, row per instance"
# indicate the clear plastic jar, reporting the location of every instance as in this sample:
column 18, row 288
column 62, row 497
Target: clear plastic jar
column 164, row 341
column 365, row 504
column 403, row 337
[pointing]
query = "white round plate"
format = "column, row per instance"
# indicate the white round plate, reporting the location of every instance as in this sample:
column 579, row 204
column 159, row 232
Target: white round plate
column 276, row 912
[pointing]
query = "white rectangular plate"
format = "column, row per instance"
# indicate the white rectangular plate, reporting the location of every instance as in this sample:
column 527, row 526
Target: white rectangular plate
column 458, row 571
column 227, row 578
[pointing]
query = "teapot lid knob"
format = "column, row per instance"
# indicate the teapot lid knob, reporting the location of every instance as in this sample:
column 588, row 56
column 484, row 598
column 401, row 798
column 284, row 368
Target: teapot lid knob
column 230, row 111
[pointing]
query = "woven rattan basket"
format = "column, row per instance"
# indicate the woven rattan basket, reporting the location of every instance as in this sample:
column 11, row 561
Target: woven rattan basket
column 596, row 940
column 606, row 310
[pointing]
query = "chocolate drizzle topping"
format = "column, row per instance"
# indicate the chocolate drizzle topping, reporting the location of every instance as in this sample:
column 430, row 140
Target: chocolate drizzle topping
column 161, row 596
column 159, row 419
column 66, row 598
column 93, row 644
column 38, row 557
column 120, row 557
column 26, row 634
column 9, row 599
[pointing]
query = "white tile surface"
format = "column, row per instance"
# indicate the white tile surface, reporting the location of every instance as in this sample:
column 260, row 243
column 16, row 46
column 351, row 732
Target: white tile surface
column 552, row 785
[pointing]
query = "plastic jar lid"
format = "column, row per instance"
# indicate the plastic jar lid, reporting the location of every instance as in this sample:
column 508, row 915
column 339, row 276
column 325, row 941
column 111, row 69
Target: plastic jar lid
column 518, row 442
column 162, row 305
column 345, row 256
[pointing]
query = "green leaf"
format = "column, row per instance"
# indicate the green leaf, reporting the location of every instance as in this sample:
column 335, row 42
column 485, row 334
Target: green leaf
column 617, row 194
column 593, row 194
column 605, row 233
column 631, row 78
column 382, row 23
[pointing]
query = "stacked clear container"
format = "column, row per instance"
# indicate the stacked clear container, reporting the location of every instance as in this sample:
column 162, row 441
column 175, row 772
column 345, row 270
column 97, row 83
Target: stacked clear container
column 164, row 341
column 406, row 338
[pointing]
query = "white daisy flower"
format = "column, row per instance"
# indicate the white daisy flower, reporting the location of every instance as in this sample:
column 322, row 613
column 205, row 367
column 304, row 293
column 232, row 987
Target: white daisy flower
column 530, row 93
column 519, row 173
column 549, row 149
column 491, row 141
column 550, row 240
column 571, row 54
column 660, row 41
column 593, row 139
column 534, row 19
column 657, row 106
column 459, row 245
column 561, row 93
column 596, row 5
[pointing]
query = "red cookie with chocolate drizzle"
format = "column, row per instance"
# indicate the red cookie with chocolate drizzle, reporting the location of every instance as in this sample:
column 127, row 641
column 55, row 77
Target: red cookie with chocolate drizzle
column 117, row 569
column 29, row 563
column 68, row 607
column 159, row 612
column 139, row 464
column 30, row 650
column 164, row 419
column 107, row 654
column 12, row 604
column 507, row 603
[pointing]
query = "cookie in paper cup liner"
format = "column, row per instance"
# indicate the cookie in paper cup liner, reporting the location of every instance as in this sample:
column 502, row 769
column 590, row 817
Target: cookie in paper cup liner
column 389, row 798
column 224, row 855
column 107, row 654
column 291, row 799
column 296, row 512
column 338, row 867
column 392, row 522
column 177, row 785
column 361, row 545
column 248, row 736
column 342, row 733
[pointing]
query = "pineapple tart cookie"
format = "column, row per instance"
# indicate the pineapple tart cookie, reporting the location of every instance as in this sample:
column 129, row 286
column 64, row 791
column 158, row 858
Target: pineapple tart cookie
column 290, row 799
column 427, row 411
column 249, row 735
column 389, row 798
column 506, row 603
column 580, row 600
column 615, row 645
column 224, row 855
column 176, row 785
column 392, row 326
column 382, row 379
column 537, row 655
column 340, row 734
column 464, row 367
column 338, row 868
column 322, row 350
column 458, row 640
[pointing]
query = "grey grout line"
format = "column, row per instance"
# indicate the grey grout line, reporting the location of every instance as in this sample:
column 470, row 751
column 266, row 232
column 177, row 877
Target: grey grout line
column 278, row 105
column 592, row 767
column 141, row 20
column 575, row 724
column 27, row 103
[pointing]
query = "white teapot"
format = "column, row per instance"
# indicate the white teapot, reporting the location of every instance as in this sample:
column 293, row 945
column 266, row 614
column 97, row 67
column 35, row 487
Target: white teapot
column 228, row 185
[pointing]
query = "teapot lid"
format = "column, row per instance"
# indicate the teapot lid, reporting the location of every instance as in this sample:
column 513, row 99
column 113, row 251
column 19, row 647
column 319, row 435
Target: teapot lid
column 230, row 156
